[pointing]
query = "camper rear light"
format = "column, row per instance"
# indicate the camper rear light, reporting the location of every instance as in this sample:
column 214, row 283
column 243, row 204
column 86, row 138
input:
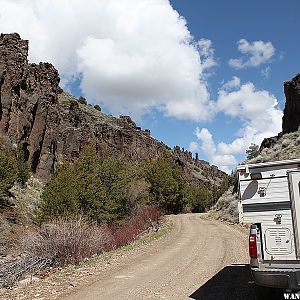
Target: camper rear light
column 252, row 245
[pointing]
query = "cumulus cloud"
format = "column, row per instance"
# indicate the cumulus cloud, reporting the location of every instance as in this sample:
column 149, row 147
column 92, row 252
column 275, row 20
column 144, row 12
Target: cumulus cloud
column 235, row 82
column 208, row 145
column 193, row 147
column 206, row 52
column 224, row 161
column 131, row 55
column 255, row 109
column 254, row 54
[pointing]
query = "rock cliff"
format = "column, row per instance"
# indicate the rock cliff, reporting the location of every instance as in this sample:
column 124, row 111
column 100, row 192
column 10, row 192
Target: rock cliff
column 52, row 126
column 291, row 117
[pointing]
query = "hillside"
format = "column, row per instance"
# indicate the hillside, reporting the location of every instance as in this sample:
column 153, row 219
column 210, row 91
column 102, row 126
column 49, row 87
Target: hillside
column 286, row 145
column 51, row 127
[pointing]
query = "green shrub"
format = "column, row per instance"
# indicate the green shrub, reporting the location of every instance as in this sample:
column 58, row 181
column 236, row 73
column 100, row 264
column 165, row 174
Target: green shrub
column 8, row 171
column 217, row 192
column 96, row 187
column 13, row 168
column 60, row 196
column 82, row 100
column 97, row 107
column 252, row 151
column 23, row 170
column 197, row 198
column 108, row 189
column 166, row 184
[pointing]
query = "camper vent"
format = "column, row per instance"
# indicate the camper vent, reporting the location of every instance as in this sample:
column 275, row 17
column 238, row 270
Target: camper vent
column 278, row 241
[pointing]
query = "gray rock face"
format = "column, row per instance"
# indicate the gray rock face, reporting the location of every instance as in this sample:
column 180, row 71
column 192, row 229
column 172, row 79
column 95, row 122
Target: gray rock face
column 29, row 108
column 53, row 127
column 291, row 117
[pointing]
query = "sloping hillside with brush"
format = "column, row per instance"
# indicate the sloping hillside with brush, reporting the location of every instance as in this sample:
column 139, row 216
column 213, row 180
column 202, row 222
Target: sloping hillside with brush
column 44, row 129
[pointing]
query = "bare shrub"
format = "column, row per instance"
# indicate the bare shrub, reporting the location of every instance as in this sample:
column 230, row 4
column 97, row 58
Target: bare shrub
column 69, row 241
column 63, row 242
column 144, row 219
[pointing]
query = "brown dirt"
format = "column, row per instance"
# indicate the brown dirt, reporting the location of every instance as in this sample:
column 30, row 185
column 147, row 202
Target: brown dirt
column 200, row 259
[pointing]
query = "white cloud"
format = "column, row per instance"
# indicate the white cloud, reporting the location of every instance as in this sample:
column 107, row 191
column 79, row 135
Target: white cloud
column 132, row 55
column 224, row 161
column 255, row 109
column 266, row 72
column 193, row 147
column 235, row 82
column 249, row 104
column 206, row 52
column 208, row 145
column 254, row 54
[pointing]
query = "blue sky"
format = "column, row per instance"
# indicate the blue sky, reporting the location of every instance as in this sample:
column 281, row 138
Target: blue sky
column 204, row 75
column 224, row 24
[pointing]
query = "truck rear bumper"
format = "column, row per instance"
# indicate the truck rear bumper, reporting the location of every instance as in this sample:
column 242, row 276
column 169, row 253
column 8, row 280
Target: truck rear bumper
column 288, row 279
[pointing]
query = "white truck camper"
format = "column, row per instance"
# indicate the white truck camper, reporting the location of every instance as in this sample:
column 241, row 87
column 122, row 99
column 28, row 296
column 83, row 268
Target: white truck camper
column 270, row 202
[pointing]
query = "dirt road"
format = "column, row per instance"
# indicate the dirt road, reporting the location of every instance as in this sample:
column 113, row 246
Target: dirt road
column 200, row 259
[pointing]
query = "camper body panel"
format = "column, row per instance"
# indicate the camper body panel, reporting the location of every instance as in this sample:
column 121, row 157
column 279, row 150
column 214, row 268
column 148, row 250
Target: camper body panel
column 270, row 199
column 265, row 217
column 294, row 187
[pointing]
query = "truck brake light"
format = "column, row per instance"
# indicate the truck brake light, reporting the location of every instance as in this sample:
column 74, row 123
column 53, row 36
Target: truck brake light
column 252, row 245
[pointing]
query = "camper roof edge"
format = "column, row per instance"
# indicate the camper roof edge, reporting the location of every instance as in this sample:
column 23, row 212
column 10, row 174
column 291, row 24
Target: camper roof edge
column 269, row 163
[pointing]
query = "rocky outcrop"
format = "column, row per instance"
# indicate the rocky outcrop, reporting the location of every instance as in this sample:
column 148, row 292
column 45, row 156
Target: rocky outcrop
column 291, row 117
column 197, row 169
column 291, row 114
column 29, row 108
column 52, row 126
column 270, row 141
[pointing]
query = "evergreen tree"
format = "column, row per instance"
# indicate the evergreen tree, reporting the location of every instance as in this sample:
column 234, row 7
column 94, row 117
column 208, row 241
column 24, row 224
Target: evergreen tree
column 97, row 107
column 8, row 171
column 13, row 168
column 252, row 151
column 197, row 198
column 166, row 184
column 82, row 100
column 93, row 186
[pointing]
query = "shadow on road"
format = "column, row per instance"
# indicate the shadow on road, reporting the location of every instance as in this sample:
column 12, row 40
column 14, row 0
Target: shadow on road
column 231, row 283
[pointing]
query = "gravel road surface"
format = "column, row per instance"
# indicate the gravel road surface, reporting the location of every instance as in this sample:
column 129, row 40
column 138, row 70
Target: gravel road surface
column 200, row 259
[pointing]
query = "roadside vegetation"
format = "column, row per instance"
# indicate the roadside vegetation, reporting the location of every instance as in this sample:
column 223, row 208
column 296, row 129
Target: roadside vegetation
column 107, row 189
column 96, row 204
column 13, row 169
